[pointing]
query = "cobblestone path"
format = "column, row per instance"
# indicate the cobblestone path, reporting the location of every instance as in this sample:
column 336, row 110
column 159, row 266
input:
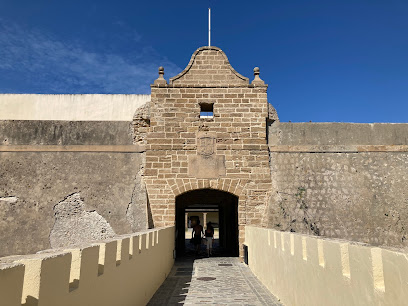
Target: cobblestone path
column 215, row 281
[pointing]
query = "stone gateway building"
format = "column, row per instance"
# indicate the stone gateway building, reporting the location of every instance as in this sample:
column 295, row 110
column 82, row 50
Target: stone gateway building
column 109, row 165
column 219, row 158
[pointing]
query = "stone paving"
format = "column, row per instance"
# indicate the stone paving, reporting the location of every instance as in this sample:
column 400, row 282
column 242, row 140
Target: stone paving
column 215, row 281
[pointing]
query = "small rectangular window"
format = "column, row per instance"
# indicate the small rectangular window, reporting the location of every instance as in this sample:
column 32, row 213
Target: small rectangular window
column 206, row 110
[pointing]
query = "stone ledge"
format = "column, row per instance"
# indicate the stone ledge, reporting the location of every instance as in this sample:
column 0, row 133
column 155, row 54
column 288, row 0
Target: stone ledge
column 337, row 148
column 74, row 148
column 206, row 86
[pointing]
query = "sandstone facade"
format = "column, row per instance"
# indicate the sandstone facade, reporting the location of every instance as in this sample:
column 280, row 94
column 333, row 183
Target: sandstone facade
column 227, row 152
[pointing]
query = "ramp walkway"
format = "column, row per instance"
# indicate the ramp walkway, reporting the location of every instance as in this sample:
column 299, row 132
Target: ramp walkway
column 215, row 280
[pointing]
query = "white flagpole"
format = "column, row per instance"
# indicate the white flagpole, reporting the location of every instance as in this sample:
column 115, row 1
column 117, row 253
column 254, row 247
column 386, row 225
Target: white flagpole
column 209, row 27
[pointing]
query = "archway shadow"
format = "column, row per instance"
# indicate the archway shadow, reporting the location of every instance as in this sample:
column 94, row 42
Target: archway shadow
column 203, row 199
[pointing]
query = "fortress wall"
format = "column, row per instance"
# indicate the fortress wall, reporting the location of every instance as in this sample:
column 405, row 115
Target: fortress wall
column 55, row 132
column 87, row 107
column 65, row 183
column 304, row 270
column 341, row 180
column 124, row 271
column 334, row 133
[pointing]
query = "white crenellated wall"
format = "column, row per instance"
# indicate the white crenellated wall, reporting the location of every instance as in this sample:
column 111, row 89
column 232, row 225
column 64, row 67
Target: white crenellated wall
column 125, row 271
column 305, row 270
column 87, row 107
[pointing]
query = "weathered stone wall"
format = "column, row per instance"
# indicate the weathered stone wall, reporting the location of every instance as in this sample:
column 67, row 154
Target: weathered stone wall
column 227, row 152
column 68, row 183
column 336, row 133
column 341, row 180
column 37, row 132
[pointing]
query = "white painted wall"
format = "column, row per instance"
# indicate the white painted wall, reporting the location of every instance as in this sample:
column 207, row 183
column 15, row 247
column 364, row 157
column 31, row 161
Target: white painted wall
column 90, row 107
column 307, row 270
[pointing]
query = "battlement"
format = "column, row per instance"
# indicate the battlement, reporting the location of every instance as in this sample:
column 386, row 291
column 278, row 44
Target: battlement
column 124, row 271
column 326, row 272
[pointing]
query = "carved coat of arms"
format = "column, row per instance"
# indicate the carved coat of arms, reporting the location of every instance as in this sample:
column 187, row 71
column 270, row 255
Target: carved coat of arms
column 206, row 164
column 206, row 144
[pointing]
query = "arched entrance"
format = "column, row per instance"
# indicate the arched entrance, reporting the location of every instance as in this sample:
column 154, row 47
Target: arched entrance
column 215, row 203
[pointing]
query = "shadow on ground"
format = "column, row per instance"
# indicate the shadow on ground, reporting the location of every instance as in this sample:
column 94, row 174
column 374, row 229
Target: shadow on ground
column 175, row 289
column 212, row 281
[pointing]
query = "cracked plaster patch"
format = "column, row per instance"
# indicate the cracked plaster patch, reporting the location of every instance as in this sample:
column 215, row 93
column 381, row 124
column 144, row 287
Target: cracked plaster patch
column 75, row 226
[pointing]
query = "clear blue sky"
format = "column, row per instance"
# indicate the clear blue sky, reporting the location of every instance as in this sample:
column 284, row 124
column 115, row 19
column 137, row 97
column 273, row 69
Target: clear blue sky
column 324, row 60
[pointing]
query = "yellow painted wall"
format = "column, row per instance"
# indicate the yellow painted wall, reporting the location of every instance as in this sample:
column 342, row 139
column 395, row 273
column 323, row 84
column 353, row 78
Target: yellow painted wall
column 125, row 271
column 305, row 270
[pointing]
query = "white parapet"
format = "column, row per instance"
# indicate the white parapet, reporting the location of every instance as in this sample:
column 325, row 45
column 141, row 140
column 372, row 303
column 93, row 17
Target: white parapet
column 123, row 271
column 89, row 107
column 308, row 270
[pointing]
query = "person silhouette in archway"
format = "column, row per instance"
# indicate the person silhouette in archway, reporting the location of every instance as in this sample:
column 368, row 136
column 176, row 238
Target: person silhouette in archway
column 196, row 235
column 209, row 235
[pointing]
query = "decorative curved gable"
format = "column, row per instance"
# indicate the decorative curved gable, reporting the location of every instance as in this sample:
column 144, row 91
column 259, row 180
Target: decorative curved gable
column 209, row 66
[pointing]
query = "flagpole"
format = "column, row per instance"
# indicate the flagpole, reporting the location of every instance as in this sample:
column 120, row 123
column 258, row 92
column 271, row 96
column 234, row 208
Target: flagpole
column 209, row 27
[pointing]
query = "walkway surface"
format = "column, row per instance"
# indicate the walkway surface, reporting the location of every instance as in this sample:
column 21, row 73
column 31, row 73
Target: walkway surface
column 214, row 280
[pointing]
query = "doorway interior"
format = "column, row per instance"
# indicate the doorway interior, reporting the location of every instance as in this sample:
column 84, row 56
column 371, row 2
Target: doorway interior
column 215, row 206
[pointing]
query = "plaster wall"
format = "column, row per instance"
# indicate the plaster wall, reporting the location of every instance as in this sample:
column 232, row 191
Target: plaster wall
column 124, row 271
column 305, row 270
column 57, row 184
column 38, row 181
column 340, row 180
column 87, row 107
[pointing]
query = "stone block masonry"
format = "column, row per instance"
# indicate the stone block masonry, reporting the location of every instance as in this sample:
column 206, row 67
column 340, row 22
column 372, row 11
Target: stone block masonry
column 179, row 141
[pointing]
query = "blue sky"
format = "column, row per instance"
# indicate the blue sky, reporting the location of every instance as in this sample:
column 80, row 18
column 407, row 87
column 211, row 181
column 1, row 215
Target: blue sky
column 325, row 60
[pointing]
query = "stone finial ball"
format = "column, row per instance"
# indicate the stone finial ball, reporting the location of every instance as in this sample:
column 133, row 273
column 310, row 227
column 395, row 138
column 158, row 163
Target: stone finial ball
column 256, row 70
column 161, row 70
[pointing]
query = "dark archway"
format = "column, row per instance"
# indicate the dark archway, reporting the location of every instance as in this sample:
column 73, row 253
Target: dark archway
column 210, row 199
